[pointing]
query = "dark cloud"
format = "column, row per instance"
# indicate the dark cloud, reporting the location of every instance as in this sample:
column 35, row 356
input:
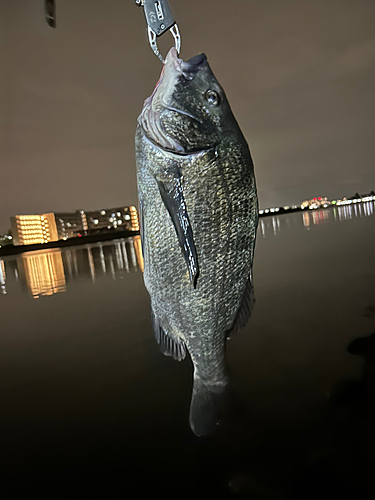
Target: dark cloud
column 299, row 75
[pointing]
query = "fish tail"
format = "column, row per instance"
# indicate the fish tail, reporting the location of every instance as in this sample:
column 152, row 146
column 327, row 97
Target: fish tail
column 206, row 405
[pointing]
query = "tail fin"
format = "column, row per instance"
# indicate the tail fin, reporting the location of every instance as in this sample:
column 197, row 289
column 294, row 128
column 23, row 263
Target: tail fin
column 206, row 406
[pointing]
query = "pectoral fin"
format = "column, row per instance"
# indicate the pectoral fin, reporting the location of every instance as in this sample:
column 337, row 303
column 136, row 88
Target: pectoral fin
column 141, row 209
column 173, row 197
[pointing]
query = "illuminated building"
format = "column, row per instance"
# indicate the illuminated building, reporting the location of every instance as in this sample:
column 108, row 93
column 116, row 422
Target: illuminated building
column 32, row 229
column 134, row 218
column 315, row 203
column 120, row 218
column 71, row 224
column 44, row 272
column 350, row 201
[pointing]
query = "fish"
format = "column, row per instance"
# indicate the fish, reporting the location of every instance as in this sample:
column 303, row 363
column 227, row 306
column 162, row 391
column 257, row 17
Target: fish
column 199, row 215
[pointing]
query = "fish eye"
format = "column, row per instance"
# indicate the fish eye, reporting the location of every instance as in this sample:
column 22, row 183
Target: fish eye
column 212, row 97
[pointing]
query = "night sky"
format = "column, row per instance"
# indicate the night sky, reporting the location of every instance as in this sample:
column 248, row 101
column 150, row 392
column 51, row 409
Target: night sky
column 300, row 77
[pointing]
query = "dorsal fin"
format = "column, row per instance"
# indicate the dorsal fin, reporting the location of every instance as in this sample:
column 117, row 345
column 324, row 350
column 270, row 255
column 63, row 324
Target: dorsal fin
column 170, row 345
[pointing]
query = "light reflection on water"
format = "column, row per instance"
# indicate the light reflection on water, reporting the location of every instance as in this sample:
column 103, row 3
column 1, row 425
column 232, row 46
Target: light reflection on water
column 46, row 272
column 273, row 225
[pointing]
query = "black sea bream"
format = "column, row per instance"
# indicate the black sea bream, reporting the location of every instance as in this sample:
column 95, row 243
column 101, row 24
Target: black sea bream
column 199, row 216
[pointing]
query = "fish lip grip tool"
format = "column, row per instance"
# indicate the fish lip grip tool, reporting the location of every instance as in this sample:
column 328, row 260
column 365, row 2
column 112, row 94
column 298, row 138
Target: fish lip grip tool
column 159, row 19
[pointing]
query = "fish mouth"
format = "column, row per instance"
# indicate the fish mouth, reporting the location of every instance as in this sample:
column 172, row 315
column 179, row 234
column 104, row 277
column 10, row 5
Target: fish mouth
column 173, row 70
column 174, row 67
column 187, row 68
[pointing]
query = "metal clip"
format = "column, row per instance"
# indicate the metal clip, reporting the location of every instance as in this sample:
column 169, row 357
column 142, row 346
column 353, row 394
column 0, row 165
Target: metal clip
column 159, row 19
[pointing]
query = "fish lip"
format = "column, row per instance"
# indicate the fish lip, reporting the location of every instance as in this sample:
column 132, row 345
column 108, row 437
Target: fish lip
column 173, row 59
column 187, row 68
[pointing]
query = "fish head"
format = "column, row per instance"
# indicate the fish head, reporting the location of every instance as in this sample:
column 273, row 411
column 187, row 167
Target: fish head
column 188, row 111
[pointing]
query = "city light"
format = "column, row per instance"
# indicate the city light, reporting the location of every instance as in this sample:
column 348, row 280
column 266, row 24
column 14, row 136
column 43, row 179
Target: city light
column 45, row 228
column 50, row 227
column 271, row 225
column 318, row 202
column 34, row 229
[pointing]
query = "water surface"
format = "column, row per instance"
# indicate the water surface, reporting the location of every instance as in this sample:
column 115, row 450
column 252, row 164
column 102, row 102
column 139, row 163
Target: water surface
column 87, row 397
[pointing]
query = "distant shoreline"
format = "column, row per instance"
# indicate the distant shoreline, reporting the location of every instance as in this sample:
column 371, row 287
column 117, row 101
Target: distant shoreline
column 282, row 211
column 92, row 238
column 112, row 235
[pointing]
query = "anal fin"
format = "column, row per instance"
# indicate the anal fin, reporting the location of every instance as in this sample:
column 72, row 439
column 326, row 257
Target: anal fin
column 245, row 309
column 170, row 345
